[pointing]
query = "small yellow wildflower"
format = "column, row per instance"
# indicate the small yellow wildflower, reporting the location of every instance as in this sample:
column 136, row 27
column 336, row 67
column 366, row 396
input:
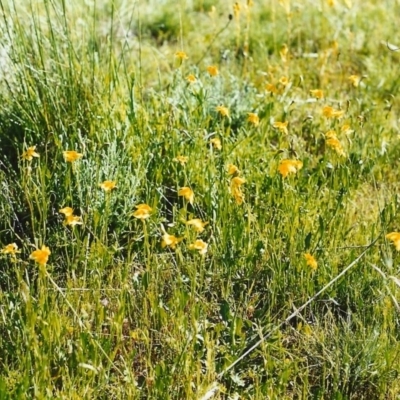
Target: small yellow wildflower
column 311, row 261
column 282, row 126
column 71, row 155
column 30, row 153
column 142, row 211
column 237, row 181
column 354, row 80
column 107, row 186
column 197, row 224
column 233, row 169
column 287, row 167
column 333, row 142
column 11, row 249
column 181, row 159
column 200, row 246
column 330, row 134
column 317, row 93
column 284, row 53
column 284, row 80
column 236, row 10
column 346, row 129
column 41, row 256
column 181, row 55
column 216, row 142
column 236, row 190
column 212, row 70
column 72, row 220
column 253, row 119
column 67, row 211
column 170, row 240
column 271, row 88
column 187, row 193
column 191, row 78
column 395, row 238
column 330, row 112
column 224, row 111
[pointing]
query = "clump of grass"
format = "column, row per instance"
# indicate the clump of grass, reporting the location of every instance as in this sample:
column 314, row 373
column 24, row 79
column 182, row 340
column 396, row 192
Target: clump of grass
column 182, row 208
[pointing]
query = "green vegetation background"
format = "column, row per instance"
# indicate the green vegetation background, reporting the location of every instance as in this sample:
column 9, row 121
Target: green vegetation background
column 115, row 315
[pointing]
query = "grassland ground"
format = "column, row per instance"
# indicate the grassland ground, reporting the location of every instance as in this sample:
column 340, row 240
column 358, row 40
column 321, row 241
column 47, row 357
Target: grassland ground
column 184, row 181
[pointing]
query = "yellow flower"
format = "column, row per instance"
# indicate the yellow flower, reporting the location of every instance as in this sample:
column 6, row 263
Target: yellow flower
column 283, row 53
column 41, row 256
column 200, row 246
column 236, row 10
column 224, row 111
column 354, row 80
column 311, row 261
column 30, row 153
column 216, row 142
column 237, row 181
column 269, row 87
column 212, row 70
column 282, row 126
column 333, row 142
column 253, row 119
column 181, row 159
column 346, row 129
column 330, row 134
column 395, row 238
column 170, row 240
column 71, row 155
column 317, row 93
column 181, row 55
column 143, row 211
column 236, row 190
column 72, row 220
column 330, row 112
column 233, row 169
column 107, row 186
column 284, row 80
column 197, row 224
column 191, row 78
column 187, row 193
column 67, row 211
column 11, row 249
column 287, row 167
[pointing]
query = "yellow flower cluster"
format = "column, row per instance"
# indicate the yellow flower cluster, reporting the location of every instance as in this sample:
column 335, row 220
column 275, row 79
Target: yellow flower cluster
column 253, row 119
column 71, row 155
column 333, row 142
column 216, row 142
column 311, row 261
column 224, row 111
column 236, row 189
column 70, row 218
column 143, row 211
column 287, row 167
column 172, row 241
column 330, row 112
column 282, row 126
column 395, row 238
column 41, row 256
column 107, row 186
column 187, row 193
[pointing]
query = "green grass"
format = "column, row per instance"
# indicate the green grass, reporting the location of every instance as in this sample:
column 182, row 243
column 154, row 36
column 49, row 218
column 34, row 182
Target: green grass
column 113, row 313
